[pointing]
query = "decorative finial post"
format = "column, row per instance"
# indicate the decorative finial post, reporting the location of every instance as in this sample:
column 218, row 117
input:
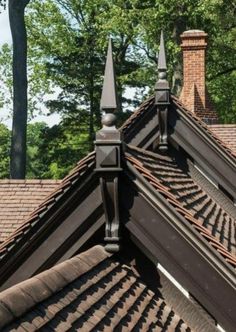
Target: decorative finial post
column 162, row 96
column 108, row 156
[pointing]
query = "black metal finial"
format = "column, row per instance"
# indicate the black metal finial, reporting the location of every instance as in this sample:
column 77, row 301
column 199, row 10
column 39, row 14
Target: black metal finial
column 162, row 55
column 108, row 99
column 108, row 157
column 162, row 85
column 162, row 96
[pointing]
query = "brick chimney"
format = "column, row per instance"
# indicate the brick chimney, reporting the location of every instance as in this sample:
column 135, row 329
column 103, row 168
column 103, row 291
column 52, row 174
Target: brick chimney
column 194, row 93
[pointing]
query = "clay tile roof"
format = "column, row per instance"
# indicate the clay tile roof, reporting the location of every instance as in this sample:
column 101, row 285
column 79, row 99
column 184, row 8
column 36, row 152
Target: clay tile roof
column 48, row 203
column 18, row 199
column 90, row 292
column 226, row 133
column 189, row 199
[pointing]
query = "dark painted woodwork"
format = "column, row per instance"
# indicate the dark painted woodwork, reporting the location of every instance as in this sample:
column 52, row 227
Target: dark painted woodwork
column 210, row 157
column 193, row 314
column 108, row 166
column 162, row 112
column 192, row 138
column 42, row 250
column 109, row 189
column 178, row 247
column 88, row 238
column 76, row 230
column 147, row 123
column 162, row 96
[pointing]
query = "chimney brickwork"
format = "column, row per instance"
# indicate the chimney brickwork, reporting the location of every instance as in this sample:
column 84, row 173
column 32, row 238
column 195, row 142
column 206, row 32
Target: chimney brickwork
column 194, row 93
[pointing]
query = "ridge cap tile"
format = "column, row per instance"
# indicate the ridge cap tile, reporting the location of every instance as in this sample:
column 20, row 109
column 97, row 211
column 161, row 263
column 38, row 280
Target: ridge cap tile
column 67, row 270
column 52, row 279
column 115, row 300
column 96, row 255
column 18, row 299
column 6, row 316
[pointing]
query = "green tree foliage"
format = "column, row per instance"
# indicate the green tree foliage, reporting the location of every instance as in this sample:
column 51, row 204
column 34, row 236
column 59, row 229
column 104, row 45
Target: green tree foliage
column 52, row 152
column 60, row 147
column 67, row 47
column 71, row 36
column 74, row 53
column 6, row 91
column 221, row 69
column 4, row 151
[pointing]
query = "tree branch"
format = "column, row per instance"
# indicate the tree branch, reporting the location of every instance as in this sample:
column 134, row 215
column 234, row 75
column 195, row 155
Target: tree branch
column 226, row 71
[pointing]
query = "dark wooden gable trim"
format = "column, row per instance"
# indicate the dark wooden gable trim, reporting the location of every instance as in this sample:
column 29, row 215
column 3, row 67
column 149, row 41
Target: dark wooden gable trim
column 60, row 234
column 194, row 314
column 206, row 153
column 213, row 158
column 144, row 130
column 180, row 249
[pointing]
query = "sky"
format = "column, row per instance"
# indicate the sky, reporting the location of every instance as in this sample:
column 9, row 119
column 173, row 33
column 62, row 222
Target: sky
column 5, row 33
column 5, row 37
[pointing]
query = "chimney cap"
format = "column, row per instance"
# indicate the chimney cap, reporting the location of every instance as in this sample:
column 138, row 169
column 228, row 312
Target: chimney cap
column 193, row 34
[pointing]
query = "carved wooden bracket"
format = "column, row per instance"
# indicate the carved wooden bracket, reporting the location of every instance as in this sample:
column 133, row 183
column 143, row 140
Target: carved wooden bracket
column 162, row 116
column 110, row 197
column 108, row 164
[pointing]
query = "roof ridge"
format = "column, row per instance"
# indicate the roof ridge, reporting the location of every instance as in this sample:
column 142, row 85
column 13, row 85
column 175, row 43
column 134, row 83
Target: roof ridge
column 32, row 291
column 29, row 181
column 223, row 125
column 148, row 153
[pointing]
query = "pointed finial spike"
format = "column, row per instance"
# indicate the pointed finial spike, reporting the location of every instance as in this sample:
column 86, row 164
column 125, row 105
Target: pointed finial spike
column 162, row 54
column 108, row 99
column 162, row 97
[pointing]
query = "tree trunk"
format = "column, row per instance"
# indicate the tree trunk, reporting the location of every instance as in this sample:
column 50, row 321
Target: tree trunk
column 19, row 124
column 177, row 78
column 91, row 92
column 91, row 113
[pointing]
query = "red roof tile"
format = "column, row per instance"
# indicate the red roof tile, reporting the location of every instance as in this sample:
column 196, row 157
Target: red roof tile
column 226, row 133
column 67, row 183
column 189, row 199
column 18, row 199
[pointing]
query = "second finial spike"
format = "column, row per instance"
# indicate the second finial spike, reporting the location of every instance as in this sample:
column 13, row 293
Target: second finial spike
column 109, row 96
